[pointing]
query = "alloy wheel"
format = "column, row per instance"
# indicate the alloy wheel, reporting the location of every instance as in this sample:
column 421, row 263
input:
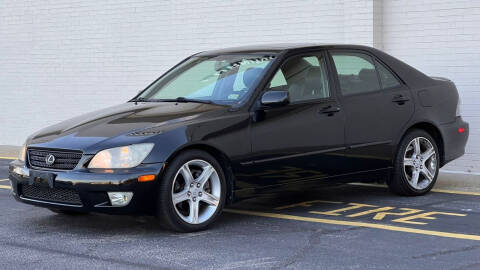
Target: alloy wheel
column 420, row 163
column 196, row 191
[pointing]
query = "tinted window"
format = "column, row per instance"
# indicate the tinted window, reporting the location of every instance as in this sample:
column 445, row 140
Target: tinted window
column 356, row 73
column 222, row 79
column 387, row 79
column 305, row 78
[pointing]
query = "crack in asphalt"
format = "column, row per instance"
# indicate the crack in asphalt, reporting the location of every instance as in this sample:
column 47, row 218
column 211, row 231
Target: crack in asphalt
column 312, row 241
column 446, row 252
column 469, row 266
column 80, row 255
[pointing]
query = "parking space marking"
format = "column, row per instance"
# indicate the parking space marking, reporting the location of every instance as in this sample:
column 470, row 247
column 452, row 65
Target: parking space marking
column 356, row 224
column 472, row 193
column 305, row 204
column 5, row 187
column 456, row 192
column 1, row 180
column 11, row 158
column 355, row 210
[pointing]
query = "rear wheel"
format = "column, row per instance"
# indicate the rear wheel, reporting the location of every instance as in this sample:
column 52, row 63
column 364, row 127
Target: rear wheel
column 192, row 192
column 416, row 164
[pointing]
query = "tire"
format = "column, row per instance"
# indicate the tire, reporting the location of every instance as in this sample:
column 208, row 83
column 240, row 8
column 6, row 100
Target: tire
column 192, row 191
column 408, row 163
column 67, row 212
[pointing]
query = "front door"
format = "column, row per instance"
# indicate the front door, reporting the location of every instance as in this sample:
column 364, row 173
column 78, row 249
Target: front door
column 303, row 140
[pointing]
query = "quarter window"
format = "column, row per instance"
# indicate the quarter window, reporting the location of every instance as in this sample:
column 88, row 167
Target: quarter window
column 356, row 73
column 387, row 79
column 305, row 78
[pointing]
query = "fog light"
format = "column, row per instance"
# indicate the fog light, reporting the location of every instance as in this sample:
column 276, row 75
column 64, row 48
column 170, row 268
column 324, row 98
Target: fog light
column 120, row 198
column 21, row 171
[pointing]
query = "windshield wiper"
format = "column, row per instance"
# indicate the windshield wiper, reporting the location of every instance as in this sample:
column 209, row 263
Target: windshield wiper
column 184, row 100
column 178, row 99
column 141, row 99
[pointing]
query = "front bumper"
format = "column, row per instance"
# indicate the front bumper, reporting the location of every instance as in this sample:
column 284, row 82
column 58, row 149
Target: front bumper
column 92, row 187
column 453, row 140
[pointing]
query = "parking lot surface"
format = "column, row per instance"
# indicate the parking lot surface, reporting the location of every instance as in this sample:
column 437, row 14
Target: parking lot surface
column 337, row 227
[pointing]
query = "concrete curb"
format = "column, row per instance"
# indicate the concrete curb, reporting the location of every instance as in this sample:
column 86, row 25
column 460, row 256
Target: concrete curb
column 9, row 150
column 458, row 182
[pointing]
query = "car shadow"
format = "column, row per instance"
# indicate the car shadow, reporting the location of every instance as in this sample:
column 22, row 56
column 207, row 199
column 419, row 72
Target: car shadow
column 110, row 225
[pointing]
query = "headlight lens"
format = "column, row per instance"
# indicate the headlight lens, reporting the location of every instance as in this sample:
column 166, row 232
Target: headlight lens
column 121, row 157
column 23, row 153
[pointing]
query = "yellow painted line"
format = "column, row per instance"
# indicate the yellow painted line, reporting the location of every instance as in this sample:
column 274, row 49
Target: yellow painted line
column 5, row 187
column 356, row 224
column 305, row 204
column 433, row 190
column 456, row 192
column 3, row 180
column 11, row 158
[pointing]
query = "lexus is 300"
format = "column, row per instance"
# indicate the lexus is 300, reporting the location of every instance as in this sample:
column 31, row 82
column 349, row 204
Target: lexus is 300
column 226, row 124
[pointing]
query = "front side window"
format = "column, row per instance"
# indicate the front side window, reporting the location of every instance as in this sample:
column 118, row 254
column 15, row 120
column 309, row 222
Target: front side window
column 356, row 73
column 304, row 77
column 222, row 79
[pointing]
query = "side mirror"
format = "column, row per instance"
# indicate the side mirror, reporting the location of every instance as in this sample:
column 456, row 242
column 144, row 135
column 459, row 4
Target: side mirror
column 275, row 98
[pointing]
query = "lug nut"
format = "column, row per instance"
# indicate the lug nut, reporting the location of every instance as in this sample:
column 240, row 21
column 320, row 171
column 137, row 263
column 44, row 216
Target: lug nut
column 198, row 185
column 191, row 185
column 200, row 194
column 194, row 199
column 189, row 193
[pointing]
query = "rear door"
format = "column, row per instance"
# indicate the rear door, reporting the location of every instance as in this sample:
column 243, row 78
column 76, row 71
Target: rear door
column 377, row 106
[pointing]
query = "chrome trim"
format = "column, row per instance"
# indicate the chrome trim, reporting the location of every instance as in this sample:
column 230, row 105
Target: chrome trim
column 51, row 203
column 30, row 166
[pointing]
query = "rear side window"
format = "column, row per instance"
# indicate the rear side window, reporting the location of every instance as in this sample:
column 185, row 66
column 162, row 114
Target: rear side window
column 387, row 79
column 356, row 73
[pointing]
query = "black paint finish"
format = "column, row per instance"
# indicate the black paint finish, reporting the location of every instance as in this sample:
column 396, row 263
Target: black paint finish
column 342, row 138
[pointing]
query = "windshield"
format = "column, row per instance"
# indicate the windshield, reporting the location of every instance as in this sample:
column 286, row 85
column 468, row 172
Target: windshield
column 222, row 79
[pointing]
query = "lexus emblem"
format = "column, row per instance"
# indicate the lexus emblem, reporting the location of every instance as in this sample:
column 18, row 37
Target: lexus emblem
column 50, row 159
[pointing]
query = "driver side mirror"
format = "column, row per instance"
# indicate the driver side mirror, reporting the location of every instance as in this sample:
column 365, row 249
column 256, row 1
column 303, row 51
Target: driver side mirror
column 275, row 98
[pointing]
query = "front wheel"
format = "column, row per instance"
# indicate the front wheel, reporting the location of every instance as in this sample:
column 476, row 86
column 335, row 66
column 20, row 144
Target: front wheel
column 416, row 164
column 192, row 192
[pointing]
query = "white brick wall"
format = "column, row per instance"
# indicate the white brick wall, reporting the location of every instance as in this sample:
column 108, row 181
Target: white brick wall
column 441, row 38
column 60, row 58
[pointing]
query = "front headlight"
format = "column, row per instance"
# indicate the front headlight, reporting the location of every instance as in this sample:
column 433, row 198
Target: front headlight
column 23, row 153
column 121, row 157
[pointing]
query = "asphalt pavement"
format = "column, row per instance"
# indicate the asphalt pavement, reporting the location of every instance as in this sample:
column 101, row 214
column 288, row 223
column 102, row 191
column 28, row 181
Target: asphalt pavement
column 337, row 227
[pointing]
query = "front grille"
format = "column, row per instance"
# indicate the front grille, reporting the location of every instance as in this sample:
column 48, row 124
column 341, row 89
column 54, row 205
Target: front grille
column 64, row 160
column 56, row 195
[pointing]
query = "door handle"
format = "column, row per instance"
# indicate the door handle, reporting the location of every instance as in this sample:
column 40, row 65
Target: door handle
column 400, row 99
column 329, row 110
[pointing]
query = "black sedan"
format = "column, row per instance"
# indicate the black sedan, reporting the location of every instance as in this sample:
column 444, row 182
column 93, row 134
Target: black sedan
column 224, row 125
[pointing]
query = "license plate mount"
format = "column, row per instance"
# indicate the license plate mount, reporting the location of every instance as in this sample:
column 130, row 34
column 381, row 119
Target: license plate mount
column 42, row 178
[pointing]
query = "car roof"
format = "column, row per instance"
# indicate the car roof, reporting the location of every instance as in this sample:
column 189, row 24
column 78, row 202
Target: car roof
column 279, row 47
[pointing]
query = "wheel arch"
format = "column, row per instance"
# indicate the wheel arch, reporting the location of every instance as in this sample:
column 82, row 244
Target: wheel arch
column 221, row 157
column 434, row 131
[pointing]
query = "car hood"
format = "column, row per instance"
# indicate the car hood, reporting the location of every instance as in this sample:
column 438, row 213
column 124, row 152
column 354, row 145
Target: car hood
column 87, row 131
